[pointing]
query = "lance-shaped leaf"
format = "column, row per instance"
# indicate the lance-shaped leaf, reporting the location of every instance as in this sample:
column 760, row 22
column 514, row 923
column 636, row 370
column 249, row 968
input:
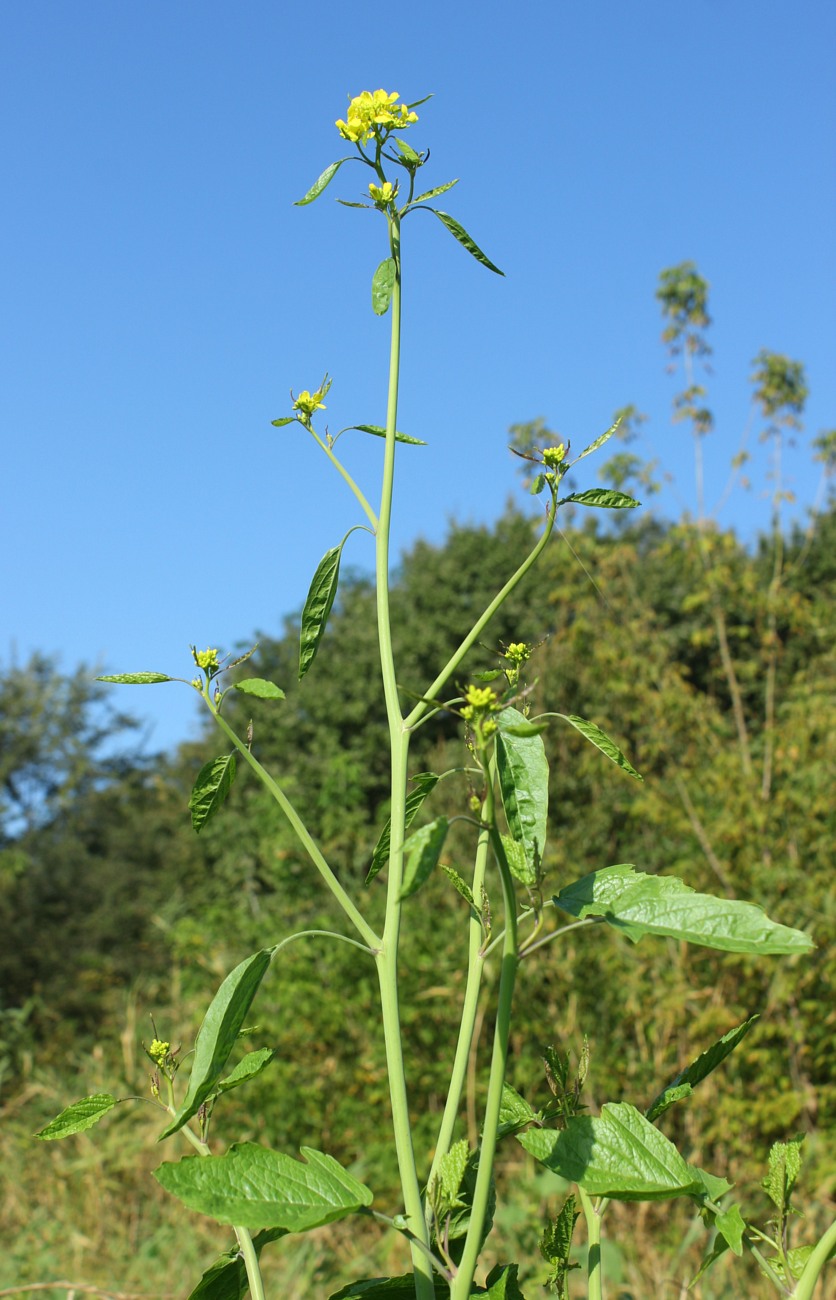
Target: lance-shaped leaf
column 262, row 689
column 422, row 851
column 247, row 1068
column 318, row 605
column 136, row 679
column 322, row 182
column 458, row 232
column 81, row 1115
column 218, row 1034
column 383, row 286
column 599, row 442
column 639, row 904
column 524, row 786
column 424, row 782
column 213, row 784
column 433, row 194
column 601, row 741
column 254, row 1187
column 606, row 498
column 406, row 151
column 685, row 1082
column 227, row 1277
column 460, row 885
column 380, row 432
column 618, row 1154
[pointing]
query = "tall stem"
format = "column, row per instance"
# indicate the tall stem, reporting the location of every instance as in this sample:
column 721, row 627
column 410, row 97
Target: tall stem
column 595, row 1284
column 387, row 958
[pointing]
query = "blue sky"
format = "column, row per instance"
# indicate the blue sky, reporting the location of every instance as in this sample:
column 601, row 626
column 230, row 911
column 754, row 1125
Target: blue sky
column 161, row 294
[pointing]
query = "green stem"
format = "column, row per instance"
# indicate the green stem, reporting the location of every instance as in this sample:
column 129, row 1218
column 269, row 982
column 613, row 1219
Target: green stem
column 460, row 1288
column 341, row 469
column 595, row 1284
column 482, row 622
column 815, row 1263
column 475, row 965
column 387, row 957
column 309, row 844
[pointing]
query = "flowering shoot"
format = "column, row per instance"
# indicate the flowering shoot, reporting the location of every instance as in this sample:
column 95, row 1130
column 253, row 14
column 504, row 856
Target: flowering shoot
column 374, row 114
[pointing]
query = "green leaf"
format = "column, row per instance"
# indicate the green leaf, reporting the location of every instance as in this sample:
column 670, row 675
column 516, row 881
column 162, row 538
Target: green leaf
column 136, row 679
column 599, row 442
column 346, row 204
column 78, row 1117
column 227, row 1277
column 383, row 286
column 322, row 182
column 388, row 1288
column 213, row 784
column 639, row 904
column 732, row 1227
column 502, row 1283
column 433, row 194
column 380, row 432
column 514, row 1111
column 218, row 1034
column 617, row 1154
column 406, row 151
column 603, row 497
column 259, row 687
column 286, row 419
column 422, row 850
column 537, row 484
column 784, row 1168
column 518, row 864
column 318, row 604
column 257, row 1188
column 458, row 232
column 601, row 741
column 685, row 1082
column 247, row 1068
column 424, row 783
column 460, row 885
column 451, row 1170
column 524, row 786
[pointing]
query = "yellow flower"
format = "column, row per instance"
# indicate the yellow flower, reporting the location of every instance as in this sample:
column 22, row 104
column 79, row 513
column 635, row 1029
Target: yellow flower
column 554, row 456
column 206, row 659
column 369, row 111
column 306, row 403
column 158, row 1051
column 383, row 194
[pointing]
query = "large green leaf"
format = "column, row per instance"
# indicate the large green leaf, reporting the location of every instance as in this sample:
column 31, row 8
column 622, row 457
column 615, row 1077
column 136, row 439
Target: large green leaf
column 321, row 182
column 388, row 1288
column 213, row 784
column 318, row 605
column 218, row 1034
column 502, row 1283
column 685, row 1082
column 639, row 904
column 422, row 851
column 257, row 1188
column 383, row 286
column 424, row 782
column 524, row 785
column 458, row 232
column 618, row 1154
column 81, row 1115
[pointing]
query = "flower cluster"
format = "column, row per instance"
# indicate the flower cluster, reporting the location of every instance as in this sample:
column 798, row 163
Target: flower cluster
column 554, row 456
column 207, row 660
column 158, row 1051
column 480, row 703
column 370, row 111
column 516, row 654
column 306, row 403
column 383, row 194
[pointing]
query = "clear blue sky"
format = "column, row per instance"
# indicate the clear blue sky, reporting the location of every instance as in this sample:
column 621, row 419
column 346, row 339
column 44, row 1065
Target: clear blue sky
column 160, row 293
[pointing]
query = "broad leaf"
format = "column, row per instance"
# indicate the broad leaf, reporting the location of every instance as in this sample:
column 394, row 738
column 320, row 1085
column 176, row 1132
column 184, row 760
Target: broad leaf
column 380, row 432
column 318, row 605
column 259, row 687
column 247, row 1068
column 78, row 1117
column 639, row 904
column 618, row 1154
column 213, row 784
column 383, row 286
column 388, row 1288
column 607, row 498
column 322, row 182
column 599, row 442
column 433, row 194
column 502, row 1283
column 424, row 783
column 218, row 1034
column 524, row 785
column 601, row 741
column 458, row 232
column 685, row 1082
column 731, row 1225
column 257, row 1188
column 136, row 679
column 227, row 1277
column 514, row 1111
column 422, row 851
